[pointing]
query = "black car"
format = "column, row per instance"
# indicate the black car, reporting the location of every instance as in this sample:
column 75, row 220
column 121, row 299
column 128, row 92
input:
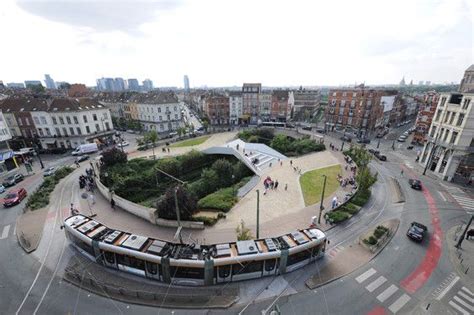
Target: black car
column 417, row 231
column 12, row 180
column 364, row 140
column 379, row 156
column 321, row 131
column 82, row 158
column 307, row 127
column 346, row 138
column 415, row 184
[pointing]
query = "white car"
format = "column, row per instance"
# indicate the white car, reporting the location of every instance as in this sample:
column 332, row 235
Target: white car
column 2, row 189
column 49, row 171
column 123, row 144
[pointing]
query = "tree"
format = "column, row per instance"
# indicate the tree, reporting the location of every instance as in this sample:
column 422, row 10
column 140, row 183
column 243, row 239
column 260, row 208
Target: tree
column 113, row 156
column 191, row 128
column 281, row 143
column 187, row 204
column 243, row 233
column 205, row 125
column 209, row 180
column 224, row 172
column 181, row 131
column 152, row 136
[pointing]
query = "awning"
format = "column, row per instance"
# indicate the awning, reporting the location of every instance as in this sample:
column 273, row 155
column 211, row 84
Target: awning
column 6, row 155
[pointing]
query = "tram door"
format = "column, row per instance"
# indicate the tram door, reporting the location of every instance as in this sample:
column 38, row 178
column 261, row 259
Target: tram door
column 109, row 259
column 270, row 267
column 223, row 273
column 152, row 270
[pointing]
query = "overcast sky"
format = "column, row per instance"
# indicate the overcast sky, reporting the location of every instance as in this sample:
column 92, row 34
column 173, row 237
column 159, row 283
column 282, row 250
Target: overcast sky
column 227, row 42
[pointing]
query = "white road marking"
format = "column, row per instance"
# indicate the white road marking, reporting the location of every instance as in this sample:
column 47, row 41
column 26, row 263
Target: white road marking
column 442, row 196
column 365, row 275
column 449, row 287
column 398, row 304
column 387, row 293
column 375, row 284
column 465, row 296
column 463, row 303
column 467, row 290
column 459, row 308
column 5, row 231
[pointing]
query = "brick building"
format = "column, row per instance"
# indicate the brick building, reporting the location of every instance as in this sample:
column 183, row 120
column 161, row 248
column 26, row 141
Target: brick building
column 427, row 106
column 216, row 107
column 280, row 107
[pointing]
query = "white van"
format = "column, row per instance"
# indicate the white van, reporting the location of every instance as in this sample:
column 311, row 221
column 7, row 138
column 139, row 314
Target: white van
column 85, row 148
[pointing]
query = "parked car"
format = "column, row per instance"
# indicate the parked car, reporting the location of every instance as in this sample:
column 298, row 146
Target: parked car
column 2, row 189
column 307, row 127
column 417, row 231
column 364, row 140
column 379, row 156
column 401, row 139
column 410, row 147
column 346, row 138
column 123, row 144
column 12, row 180
column 415, row 184
column 14, row 197
column 320, row 130
column 49, row 171
column 82, row 158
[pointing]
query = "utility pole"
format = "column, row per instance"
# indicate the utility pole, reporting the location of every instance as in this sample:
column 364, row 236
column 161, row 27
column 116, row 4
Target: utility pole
column 258, row 214
column 458, row 245
column 378, row 143
column 342, row 145
column 321, row 207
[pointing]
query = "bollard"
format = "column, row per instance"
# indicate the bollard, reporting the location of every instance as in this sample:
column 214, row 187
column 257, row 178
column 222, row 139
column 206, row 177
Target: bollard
column 466, row 271
column 461, row 261
column 428, row 306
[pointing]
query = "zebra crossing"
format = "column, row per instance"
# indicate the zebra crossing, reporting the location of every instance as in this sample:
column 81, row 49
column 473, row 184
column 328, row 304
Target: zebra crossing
column 385, row 292
column 465, row 202
column 463, row 301
column 334, row 251
column 5, row 232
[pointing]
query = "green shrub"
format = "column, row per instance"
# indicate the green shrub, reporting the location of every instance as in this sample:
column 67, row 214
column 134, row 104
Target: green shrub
column 378, row 233
column 208, row 221
column 371, row 240
column 221, row 215
column 223, row 200
column 350, row 208
column 361, row 197
column 338, row 216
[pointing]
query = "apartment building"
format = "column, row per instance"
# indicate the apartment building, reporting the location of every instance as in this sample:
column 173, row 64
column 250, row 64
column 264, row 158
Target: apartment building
column 280, row 106
column 251, row 102
column 235, row 107
column 427, row 104
column 449, row 150
column 158, row 111
column 217, row 109
column 306, row 103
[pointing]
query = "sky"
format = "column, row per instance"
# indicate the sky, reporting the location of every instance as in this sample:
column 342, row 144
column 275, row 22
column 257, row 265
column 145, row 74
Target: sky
column 228, row 42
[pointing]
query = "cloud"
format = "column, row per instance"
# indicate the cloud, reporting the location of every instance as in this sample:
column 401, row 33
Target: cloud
column 100, row 16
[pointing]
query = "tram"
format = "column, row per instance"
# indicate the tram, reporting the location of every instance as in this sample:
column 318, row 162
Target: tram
column 194, row 264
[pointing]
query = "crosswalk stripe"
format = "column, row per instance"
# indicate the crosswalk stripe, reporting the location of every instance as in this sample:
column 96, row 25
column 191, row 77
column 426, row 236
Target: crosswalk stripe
column 459, row 308
column 463, row 303
column 6, row 229
column 463, row 198
column 467, row 290
column 375, row 284
column 399, row 303
column 449, row 287
column 387, row 293
column 465, row 296
column 365, row 275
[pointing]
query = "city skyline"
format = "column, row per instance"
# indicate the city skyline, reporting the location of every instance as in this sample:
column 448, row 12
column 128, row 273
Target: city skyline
column 153, row 42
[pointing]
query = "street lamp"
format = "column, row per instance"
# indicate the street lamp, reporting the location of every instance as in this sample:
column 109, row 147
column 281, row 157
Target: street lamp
column 321, row 207
column 258, row 213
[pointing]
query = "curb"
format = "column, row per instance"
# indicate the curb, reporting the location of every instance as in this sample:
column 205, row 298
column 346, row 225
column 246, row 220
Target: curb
column 27, row 249
column 398, row 190
column 372, row 258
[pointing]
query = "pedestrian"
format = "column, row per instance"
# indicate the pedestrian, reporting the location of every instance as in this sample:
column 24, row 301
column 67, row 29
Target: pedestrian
column 92, row 198
column 401, row 173
column 168, row 150
column 291, row 162
column 281, row 163
column 326, row 218
column 77, row 164
column 272, row 184
column 112, row 203
column 276, row 184
column 286, row 187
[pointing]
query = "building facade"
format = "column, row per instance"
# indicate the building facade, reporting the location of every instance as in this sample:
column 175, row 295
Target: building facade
column 427, row 104
column 467, row 82
column 306, row 102
column 280, row 106
column 235, row 107
column 50, row 84
column 216, row 108
column 158, row 111
column 449, row 150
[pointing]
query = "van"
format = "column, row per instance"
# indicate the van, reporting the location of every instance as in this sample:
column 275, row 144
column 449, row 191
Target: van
column 85, row 148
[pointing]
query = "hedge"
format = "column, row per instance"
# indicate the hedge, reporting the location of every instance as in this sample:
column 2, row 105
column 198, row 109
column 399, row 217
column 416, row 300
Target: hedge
column 338, row 216
column 223, row 199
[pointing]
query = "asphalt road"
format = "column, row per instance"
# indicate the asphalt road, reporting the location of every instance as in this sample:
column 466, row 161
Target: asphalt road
column 32, row 283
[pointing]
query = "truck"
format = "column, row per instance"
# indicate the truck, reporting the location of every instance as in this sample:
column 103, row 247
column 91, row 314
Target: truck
column 85, row 148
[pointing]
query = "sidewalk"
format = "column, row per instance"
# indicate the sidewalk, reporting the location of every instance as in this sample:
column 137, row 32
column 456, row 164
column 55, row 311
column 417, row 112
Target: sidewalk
column 462, row 259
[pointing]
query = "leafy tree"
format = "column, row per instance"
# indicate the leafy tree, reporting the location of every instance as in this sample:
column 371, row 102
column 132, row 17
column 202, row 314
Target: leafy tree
column 181, row 131
column 243, row 233
column 113, row 156
column 152, row 136
column 205, row 124
column 187, row 204
column 281, row 143
column 224, row 171
column 209, row 180
column 364, row 178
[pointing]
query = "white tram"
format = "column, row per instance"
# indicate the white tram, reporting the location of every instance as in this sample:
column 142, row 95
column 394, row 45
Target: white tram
column 193, row 264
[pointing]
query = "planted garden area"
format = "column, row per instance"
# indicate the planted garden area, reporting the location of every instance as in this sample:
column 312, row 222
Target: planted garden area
column 40, row 198
column 211, row 182
column 364, row 178
column 312, row 183
column 286, row 145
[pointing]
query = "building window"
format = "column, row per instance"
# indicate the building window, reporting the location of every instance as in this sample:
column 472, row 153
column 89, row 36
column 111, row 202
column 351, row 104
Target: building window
column 36, row 120
column 105, row 115
column 433, row 131
column 94, row 116
column 460, row 119
column 466, row 103
column 58, row 133
column 97, row 127
column 68, row 119
column 61, row 120
column 85, row 118
column 43, row 120
column 65, row 131
column 438, row 115
column 20, row 122
column 88, row 130
column 443, row 101
column 71, row 131
column 159, row 109
column 79, row 132
column 453, row 114
column 176, row 116
column 40, row 131
column 55, row 122
column 107, row 126
column 446, row 135
column 27, row 121
column 48, row 133
column 75, row 120
column 446, row 117
column 454, row 137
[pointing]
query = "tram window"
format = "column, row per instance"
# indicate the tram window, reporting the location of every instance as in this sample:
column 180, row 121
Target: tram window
column 316, row 250
column 109, row 257
column 224, row 271
column 270, row 264
column 152, row 268
column 247, row 267
column 84, row 246
column 130, row 262
column 297, row 257
column 187, row 272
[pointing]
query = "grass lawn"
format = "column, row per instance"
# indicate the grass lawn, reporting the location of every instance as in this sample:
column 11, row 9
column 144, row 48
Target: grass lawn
column 190, row 142
column 312, row 183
